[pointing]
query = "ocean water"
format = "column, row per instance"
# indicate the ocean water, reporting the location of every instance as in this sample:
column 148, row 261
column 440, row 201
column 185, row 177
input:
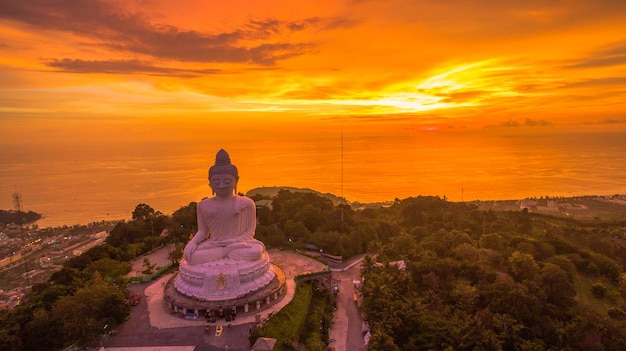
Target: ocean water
column 81, row 183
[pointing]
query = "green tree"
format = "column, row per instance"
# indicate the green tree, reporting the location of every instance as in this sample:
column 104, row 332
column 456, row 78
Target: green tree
column 296, row 231
column 524, row 224
column 288, row 206
column 143, row 212
column 43, row 332
column 124, row 234
column 493, row 241
column 402, row 247
column 186, row 216
column 184, row 223
column 557, row 286
column 368, row 264
column 83, row 316
column 70, row 277
column 10, row 329
column 151, row 242
column 310, row 216
column 522, row 266
column 366, row 234
column 45, row 295
column 381, row 341
column 565, row 264
column 270, row 236
column 599, row 290
column 466, row 252
column 109, row 269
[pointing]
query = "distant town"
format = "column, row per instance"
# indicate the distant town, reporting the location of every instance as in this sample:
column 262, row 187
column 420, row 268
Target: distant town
column 610, row 207
column 30, row 255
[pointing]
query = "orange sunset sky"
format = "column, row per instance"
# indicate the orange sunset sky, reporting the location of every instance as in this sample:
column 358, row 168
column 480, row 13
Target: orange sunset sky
column 90, row 69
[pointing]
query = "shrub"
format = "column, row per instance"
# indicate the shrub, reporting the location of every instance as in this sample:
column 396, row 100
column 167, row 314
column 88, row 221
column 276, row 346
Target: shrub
column 617, row 313
column 599, row 290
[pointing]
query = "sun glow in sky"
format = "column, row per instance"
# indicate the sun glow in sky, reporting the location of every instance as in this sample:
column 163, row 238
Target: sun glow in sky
column 432, row 97
column 441, row 64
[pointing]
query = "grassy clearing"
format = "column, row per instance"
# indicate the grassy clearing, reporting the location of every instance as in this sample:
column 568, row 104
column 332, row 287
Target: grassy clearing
column 305, row 320
column 600, row 306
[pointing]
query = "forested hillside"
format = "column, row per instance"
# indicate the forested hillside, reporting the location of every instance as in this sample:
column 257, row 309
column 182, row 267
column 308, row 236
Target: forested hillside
column 472, row 279
column 476, row 280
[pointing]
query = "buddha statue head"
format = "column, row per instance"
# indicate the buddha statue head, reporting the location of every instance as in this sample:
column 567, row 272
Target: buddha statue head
column 223, row 175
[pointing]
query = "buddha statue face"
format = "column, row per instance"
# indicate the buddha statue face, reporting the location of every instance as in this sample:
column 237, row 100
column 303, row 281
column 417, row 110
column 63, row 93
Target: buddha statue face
column 223, row 175
column 223, row 185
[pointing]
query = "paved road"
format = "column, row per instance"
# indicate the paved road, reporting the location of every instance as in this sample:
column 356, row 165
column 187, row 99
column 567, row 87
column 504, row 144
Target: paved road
column 346, row 334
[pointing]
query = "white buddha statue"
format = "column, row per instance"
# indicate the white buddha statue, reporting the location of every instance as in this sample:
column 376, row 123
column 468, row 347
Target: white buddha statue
column 223, row 260
column 226, row 222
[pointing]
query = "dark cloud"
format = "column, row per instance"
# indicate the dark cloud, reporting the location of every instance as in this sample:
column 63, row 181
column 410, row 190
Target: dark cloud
column 600, row 62
column 417, row 119
column 528, row 123
column 510, row 123
column 341, row 22
column 373, row 118
column 532, row 122
column 272, row 26
column 614, row 121
column 609, row 121
column 613, row 55
column 612, row 81
column 121, row 67
column 132, row 32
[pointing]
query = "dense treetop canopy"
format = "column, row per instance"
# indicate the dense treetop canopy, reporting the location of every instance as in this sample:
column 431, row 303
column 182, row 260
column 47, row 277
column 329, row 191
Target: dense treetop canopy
column 472, row 279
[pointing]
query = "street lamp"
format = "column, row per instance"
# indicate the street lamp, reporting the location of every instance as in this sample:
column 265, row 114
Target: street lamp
column 104, row 334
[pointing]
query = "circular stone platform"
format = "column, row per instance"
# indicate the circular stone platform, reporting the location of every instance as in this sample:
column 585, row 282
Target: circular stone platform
column 251, row 303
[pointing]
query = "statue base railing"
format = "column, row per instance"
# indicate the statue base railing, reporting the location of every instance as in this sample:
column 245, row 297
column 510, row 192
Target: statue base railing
column 224, row 279
column 251, row 303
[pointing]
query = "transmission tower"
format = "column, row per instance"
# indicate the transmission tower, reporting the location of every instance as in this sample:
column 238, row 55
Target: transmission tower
column 17, row 206
column 17, row 201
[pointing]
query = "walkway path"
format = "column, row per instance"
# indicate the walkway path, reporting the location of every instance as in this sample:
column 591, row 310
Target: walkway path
column 345, row 334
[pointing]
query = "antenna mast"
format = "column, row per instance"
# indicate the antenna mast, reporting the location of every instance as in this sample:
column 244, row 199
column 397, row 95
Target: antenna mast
column 342, row 178
column 342, row 165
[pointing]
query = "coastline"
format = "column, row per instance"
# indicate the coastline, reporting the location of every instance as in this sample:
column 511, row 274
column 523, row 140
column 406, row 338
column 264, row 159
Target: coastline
column 584, row 206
